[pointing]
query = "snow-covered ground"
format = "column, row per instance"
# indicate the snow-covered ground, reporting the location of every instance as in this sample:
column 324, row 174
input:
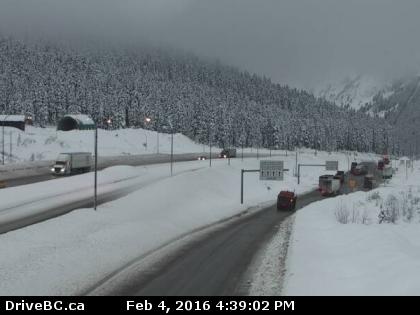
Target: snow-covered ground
column 362, row 256
column 67, row 254
column 37, row 144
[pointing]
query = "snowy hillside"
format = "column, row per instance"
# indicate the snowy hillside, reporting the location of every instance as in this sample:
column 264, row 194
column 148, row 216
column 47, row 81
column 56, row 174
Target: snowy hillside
column 354, row 92
column 37, row 144
column 199, row 98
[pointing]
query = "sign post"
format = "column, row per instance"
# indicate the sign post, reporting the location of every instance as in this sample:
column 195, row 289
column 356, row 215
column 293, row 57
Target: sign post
column 271, row 170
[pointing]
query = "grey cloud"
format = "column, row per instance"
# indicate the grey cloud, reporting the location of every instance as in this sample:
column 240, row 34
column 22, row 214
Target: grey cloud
column 298, row 42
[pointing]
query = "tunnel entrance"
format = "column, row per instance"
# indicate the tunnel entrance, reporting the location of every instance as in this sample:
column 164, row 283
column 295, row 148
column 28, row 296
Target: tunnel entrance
column 67, row 123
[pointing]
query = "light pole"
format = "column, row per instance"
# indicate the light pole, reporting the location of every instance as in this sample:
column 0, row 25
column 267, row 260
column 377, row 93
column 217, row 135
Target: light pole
column 108, row 123
column 172, row 149
column 95, row 202
column 146, row 140
column 210, row 141
column 2, row 142
column 147, row 120
column 157, row 141
column 11, row 147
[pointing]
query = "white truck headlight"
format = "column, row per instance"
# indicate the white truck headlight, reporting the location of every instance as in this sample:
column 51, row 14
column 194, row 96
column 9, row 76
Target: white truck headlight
column 62, row 170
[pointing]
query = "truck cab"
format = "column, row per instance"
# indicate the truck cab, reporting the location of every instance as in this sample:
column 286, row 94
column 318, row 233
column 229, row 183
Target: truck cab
column 387, row 172
column 353, row 166
column 72, row 163
column 62, row 164
column 227, row 153
column 369, row 181
column 286, row 200
column 340, row 175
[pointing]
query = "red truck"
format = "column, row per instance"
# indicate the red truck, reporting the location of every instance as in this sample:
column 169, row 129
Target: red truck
column 286, row 200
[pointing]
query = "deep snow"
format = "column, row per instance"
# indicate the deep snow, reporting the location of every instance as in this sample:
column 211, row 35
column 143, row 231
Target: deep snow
column 66, row 255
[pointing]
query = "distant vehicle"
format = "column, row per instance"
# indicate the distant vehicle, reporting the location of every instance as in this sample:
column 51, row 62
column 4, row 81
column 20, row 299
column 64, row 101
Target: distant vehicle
column 201, row 158
column 340, row 175
column 360, row 169
column 381, row 165
column 353, row 166
column 369, row 181
column 371, row 165
column 2, row 184
column 387, row 172
column 286, row 200
column 227, row 153
column 329, row 185
column 72, row 163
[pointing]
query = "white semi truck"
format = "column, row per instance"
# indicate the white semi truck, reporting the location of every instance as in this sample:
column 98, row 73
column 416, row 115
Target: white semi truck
column 329, row 185
column 72, row 163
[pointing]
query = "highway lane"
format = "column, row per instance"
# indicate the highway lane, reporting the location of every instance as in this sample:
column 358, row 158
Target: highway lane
column 12, row 220
column 133, row 160
column 212, row 265
column 209, row 266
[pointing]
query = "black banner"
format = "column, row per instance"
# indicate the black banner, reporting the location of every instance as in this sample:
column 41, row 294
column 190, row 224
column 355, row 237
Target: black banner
column 178, row 305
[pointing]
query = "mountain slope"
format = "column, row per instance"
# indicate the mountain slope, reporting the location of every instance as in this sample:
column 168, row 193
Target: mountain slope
column 353, row 92
column 203, row 99
column 401, row 108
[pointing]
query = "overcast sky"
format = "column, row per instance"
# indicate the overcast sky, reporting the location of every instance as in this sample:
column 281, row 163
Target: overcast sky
column 303, row 43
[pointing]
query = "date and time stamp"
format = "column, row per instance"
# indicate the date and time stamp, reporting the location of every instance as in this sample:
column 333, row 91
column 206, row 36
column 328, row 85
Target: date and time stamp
column 211, row 305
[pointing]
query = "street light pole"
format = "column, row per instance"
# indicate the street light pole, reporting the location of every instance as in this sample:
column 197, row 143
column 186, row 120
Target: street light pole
column 11, row 147
column 2, row 142
column 146, row 139
column 157, row 142
column 96, row 169
column 210, row 154
column 172, row 150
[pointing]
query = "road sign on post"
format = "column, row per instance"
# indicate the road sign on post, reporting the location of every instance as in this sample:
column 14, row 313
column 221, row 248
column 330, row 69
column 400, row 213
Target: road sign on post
column 331, row 165
column 271, row 170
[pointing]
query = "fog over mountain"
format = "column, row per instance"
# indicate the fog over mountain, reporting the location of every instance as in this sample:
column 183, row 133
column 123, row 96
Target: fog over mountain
column 304, row 43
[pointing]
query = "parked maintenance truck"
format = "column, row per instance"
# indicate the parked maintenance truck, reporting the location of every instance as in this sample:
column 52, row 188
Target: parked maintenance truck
column 72, row 163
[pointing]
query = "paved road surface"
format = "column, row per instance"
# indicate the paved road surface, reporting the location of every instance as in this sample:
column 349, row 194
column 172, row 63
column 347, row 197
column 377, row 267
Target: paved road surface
column 133, row 160
column 215, row 264
column 9, row 223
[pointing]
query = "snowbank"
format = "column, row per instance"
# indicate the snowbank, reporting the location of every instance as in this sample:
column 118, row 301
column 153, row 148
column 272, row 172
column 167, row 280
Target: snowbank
column 36, row 144
column 362, row 257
